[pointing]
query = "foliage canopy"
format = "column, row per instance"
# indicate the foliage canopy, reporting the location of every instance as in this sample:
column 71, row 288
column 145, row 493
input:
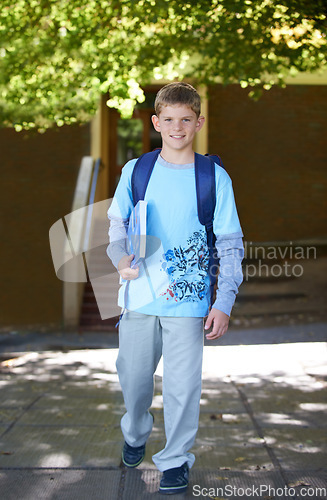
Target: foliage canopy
column 58, row 56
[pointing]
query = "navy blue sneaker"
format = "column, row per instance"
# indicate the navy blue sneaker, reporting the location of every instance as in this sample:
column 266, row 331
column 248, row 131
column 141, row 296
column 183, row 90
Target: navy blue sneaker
column 133, row 456
column 174, row 480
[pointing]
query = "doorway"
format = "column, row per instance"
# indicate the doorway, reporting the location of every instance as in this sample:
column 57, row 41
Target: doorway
column 130, row 138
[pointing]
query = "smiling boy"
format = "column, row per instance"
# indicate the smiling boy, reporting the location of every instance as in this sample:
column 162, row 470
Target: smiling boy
column 171, row 324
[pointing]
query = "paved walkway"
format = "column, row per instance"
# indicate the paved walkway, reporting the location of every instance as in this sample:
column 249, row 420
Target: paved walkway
column 262, row 427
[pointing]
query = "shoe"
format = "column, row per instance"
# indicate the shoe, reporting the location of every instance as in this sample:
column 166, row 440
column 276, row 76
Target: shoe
column 133, row 456
column 174, row 480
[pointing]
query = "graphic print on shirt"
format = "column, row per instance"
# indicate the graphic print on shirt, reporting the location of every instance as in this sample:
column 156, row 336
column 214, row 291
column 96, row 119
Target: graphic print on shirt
column 187, row 269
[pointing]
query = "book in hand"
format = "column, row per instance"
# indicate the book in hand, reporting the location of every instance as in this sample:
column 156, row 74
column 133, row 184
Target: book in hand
column 137, row 232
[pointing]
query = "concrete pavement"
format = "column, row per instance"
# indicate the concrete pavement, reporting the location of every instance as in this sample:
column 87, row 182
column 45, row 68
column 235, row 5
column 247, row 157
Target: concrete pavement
column 262, row 430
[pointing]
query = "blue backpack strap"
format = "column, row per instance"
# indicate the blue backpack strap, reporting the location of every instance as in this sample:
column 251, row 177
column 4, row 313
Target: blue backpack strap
column 205, row 188
column 216, row 159
column 141, row 174
column 205, row 178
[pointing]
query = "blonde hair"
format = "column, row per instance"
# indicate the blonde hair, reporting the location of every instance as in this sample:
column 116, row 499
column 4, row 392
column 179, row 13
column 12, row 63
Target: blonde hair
column 178, row 93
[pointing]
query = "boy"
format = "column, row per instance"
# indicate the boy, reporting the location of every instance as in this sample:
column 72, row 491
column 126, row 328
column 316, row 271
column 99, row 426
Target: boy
column 171, row 325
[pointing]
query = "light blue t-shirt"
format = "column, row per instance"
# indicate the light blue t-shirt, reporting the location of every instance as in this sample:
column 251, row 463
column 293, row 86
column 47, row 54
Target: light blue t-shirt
column 174, row 280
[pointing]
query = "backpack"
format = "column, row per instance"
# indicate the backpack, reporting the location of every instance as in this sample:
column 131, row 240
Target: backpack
column 205, row 193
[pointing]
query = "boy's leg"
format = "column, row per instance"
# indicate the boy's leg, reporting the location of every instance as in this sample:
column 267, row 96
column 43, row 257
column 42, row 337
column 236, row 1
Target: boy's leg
column 182, row 359
column 140, row 346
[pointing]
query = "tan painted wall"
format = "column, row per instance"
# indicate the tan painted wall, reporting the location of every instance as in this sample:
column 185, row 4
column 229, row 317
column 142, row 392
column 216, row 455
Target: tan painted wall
column 38, row 176
column 275, row 150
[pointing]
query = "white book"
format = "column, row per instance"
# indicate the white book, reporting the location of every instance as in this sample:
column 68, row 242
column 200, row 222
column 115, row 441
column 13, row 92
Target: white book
column 137, row 232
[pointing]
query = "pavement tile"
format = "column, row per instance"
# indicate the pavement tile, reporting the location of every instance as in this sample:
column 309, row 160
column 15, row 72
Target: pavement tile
column 3, row 429
column 61, row 401
column 301, row 419
column 7, row 415
column 15, row 401
column 234, row 447
column 236, row 484
column 60, row 484
column 221, row 405
column 45, row 447
column 87, row 415
column 216, row 386
column 143, row 483
column 220, row 397
column 223, row 420
column 209, row 417
column 13, row 382
column 308, row 485
column 313, row 419
column 101, row 388
column 276, row 398
column 20, row 388
column 204, row 483
column 295, row 446
column 19, row 393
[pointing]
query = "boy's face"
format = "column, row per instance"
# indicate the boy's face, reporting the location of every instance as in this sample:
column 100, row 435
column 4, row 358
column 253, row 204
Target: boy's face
column 178, row 125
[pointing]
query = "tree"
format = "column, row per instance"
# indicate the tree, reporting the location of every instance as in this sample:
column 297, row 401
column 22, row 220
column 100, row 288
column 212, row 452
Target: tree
column 58, row 56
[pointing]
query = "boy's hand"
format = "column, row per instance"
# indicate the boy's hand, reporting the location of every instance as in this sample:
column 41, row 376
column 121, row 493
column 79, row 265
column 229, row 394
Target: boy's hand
column 220, row 322
column 125, row 270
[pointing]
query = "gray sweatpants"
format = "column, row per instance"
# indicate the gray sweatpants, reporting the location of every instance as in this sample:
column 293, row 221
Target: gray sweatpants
column 143, row 339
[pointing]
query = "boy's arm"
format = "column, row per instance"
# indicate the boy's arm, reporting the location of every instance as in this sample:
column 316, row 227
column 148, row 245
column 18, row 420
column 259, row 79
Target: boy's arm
column 230, row 251
column 117, row 247
column 117, row 250
column 118, row 214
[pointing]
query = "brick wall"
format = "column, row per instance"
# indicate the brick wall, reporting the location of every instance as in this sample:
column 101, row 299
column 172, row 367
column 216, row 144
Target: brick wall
column 38, row 176
column 275, row 151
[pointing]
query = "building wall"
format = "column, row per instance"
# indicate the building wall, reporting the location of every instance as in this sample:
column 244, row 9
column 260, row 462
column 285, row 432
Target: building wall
column 275, row 151
column 38, row 177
